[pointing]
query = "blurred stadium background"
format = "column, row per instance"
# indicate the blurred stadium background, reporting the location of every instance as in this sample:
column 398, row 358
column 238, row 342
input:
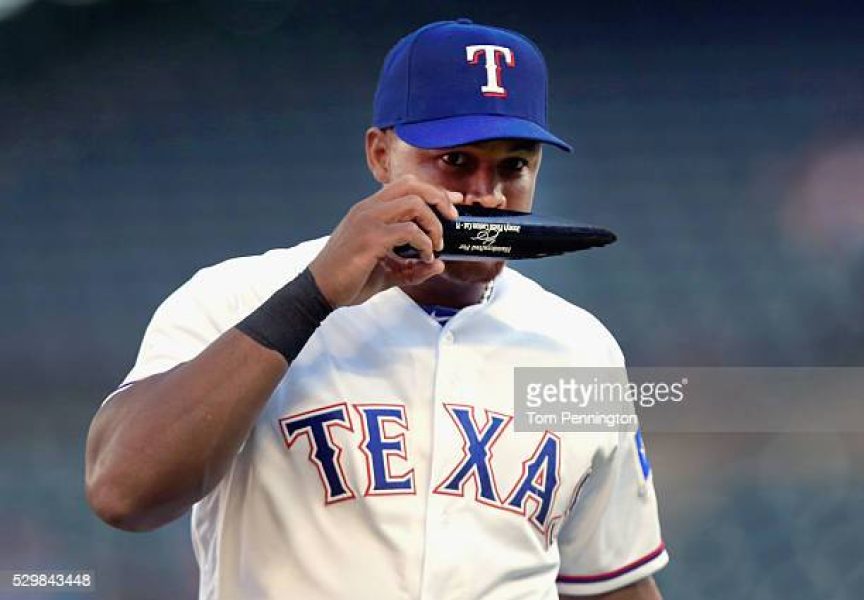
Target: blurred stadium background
column 142, row 140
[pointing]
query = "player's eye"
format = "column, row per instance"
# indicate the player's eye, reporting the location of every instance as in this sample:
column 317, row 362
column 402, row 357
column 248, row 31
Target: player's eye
column 514, row 164
column 455, row 159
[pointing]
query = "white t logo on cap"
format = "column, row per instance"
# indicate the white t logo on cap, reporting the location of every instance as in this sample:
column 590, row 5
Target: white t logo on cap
column 493, row 56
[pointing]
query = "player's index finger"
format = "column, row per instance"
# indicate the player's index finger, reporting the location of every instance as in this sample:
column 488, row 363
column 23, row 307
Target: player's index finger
column 421, row 212
column 439, row 197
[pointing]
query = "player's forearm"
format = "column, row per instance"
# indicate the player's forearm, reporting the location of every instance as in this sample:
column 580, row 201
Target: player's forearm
column 163, row 443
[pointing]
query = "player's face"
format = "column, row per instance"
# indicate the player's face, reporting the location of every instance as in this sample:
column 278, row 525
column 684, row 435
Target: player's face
column 496, row 173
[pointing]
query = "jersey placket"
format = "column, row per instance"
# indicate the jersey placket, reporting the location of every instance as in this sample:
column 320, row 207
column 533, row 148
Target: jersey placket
column 438, row 579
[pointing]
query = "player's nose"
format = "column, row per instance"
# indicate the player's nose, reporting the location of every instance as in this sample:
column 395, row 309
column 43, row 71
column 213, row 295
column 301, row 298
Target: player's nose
column 483, row 188
column 486, row 200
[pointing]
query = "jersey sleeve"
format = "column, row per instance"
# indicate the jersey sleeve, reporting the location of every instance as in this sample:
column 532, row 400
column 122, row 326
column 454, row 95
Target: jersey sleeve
column 611, row 537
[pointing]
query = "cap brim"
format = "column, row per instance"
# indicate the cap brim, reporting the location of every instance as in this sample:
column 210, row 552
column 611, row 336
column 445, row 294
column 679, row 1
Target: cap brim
column 469, row 129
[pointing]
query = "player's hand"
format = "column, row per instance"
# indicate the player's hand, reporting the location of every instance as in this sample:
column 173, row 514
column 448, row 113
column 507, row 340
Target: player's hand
column 358, row 260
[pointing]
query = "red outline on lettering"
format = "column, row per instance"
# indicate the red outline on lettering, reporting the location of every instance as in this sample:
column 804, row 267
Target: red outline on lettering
column 497, row 55
column 523, row 511
column 388, row 454
column 291, row 439
column 550, row 530
column 488, row 460
column 577, row 491
column 574, row 496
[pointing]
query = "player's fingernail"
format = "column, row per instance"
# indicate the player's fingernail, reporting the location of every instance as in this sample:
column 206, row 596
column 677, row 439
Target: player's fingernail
column 440, row 245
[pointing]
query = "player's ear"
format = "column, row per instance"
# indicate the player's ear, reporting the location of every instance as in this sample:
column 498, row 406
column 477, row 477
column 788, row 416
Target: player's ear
column 378, row 145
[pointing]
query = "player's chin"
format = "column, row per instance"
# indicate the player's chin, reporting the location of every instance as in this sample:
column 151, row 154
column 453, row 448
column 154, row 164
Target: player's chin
column 469, row 271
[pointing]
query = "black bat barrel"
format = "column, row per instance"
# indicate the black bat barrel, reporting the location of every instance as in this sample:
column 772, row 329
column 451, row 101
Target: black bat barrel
column 494, row 234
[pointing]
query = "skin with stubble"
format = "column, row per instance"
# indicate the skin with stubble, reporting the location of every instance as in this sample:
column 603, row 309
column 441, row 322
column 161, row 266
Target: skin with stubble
column 181, row 429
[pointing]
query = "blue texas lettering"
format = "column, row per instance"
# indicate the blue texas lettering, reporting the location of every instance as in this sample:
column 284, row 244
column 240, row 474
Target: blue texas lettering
column 384, row 427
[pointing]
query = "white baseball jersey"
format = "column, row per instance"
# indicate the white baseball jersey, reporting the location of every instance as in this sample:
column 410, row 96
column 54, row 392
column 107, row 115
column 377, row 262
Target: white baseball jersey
column 385, row 464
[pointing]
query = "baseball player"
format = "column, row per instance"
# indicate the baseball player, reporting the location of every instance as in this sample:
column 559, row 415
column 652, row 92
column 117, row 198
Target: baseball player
column 340, row 420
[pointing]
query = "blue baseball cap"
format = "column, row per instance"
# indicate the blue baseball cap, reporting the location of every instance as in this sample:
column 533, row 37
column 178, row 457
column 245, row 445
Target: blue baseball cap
column 453, row 83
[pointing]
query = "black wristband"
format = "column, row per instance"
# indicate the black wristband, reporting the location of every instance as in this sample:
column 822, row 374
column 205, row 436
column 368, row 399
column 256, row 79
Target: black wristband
column 287, row 319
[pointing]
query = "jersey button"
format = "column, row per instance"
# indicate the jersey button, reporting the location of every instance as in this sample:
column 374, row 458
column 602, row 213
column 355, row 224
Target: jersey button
column 448, row 337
